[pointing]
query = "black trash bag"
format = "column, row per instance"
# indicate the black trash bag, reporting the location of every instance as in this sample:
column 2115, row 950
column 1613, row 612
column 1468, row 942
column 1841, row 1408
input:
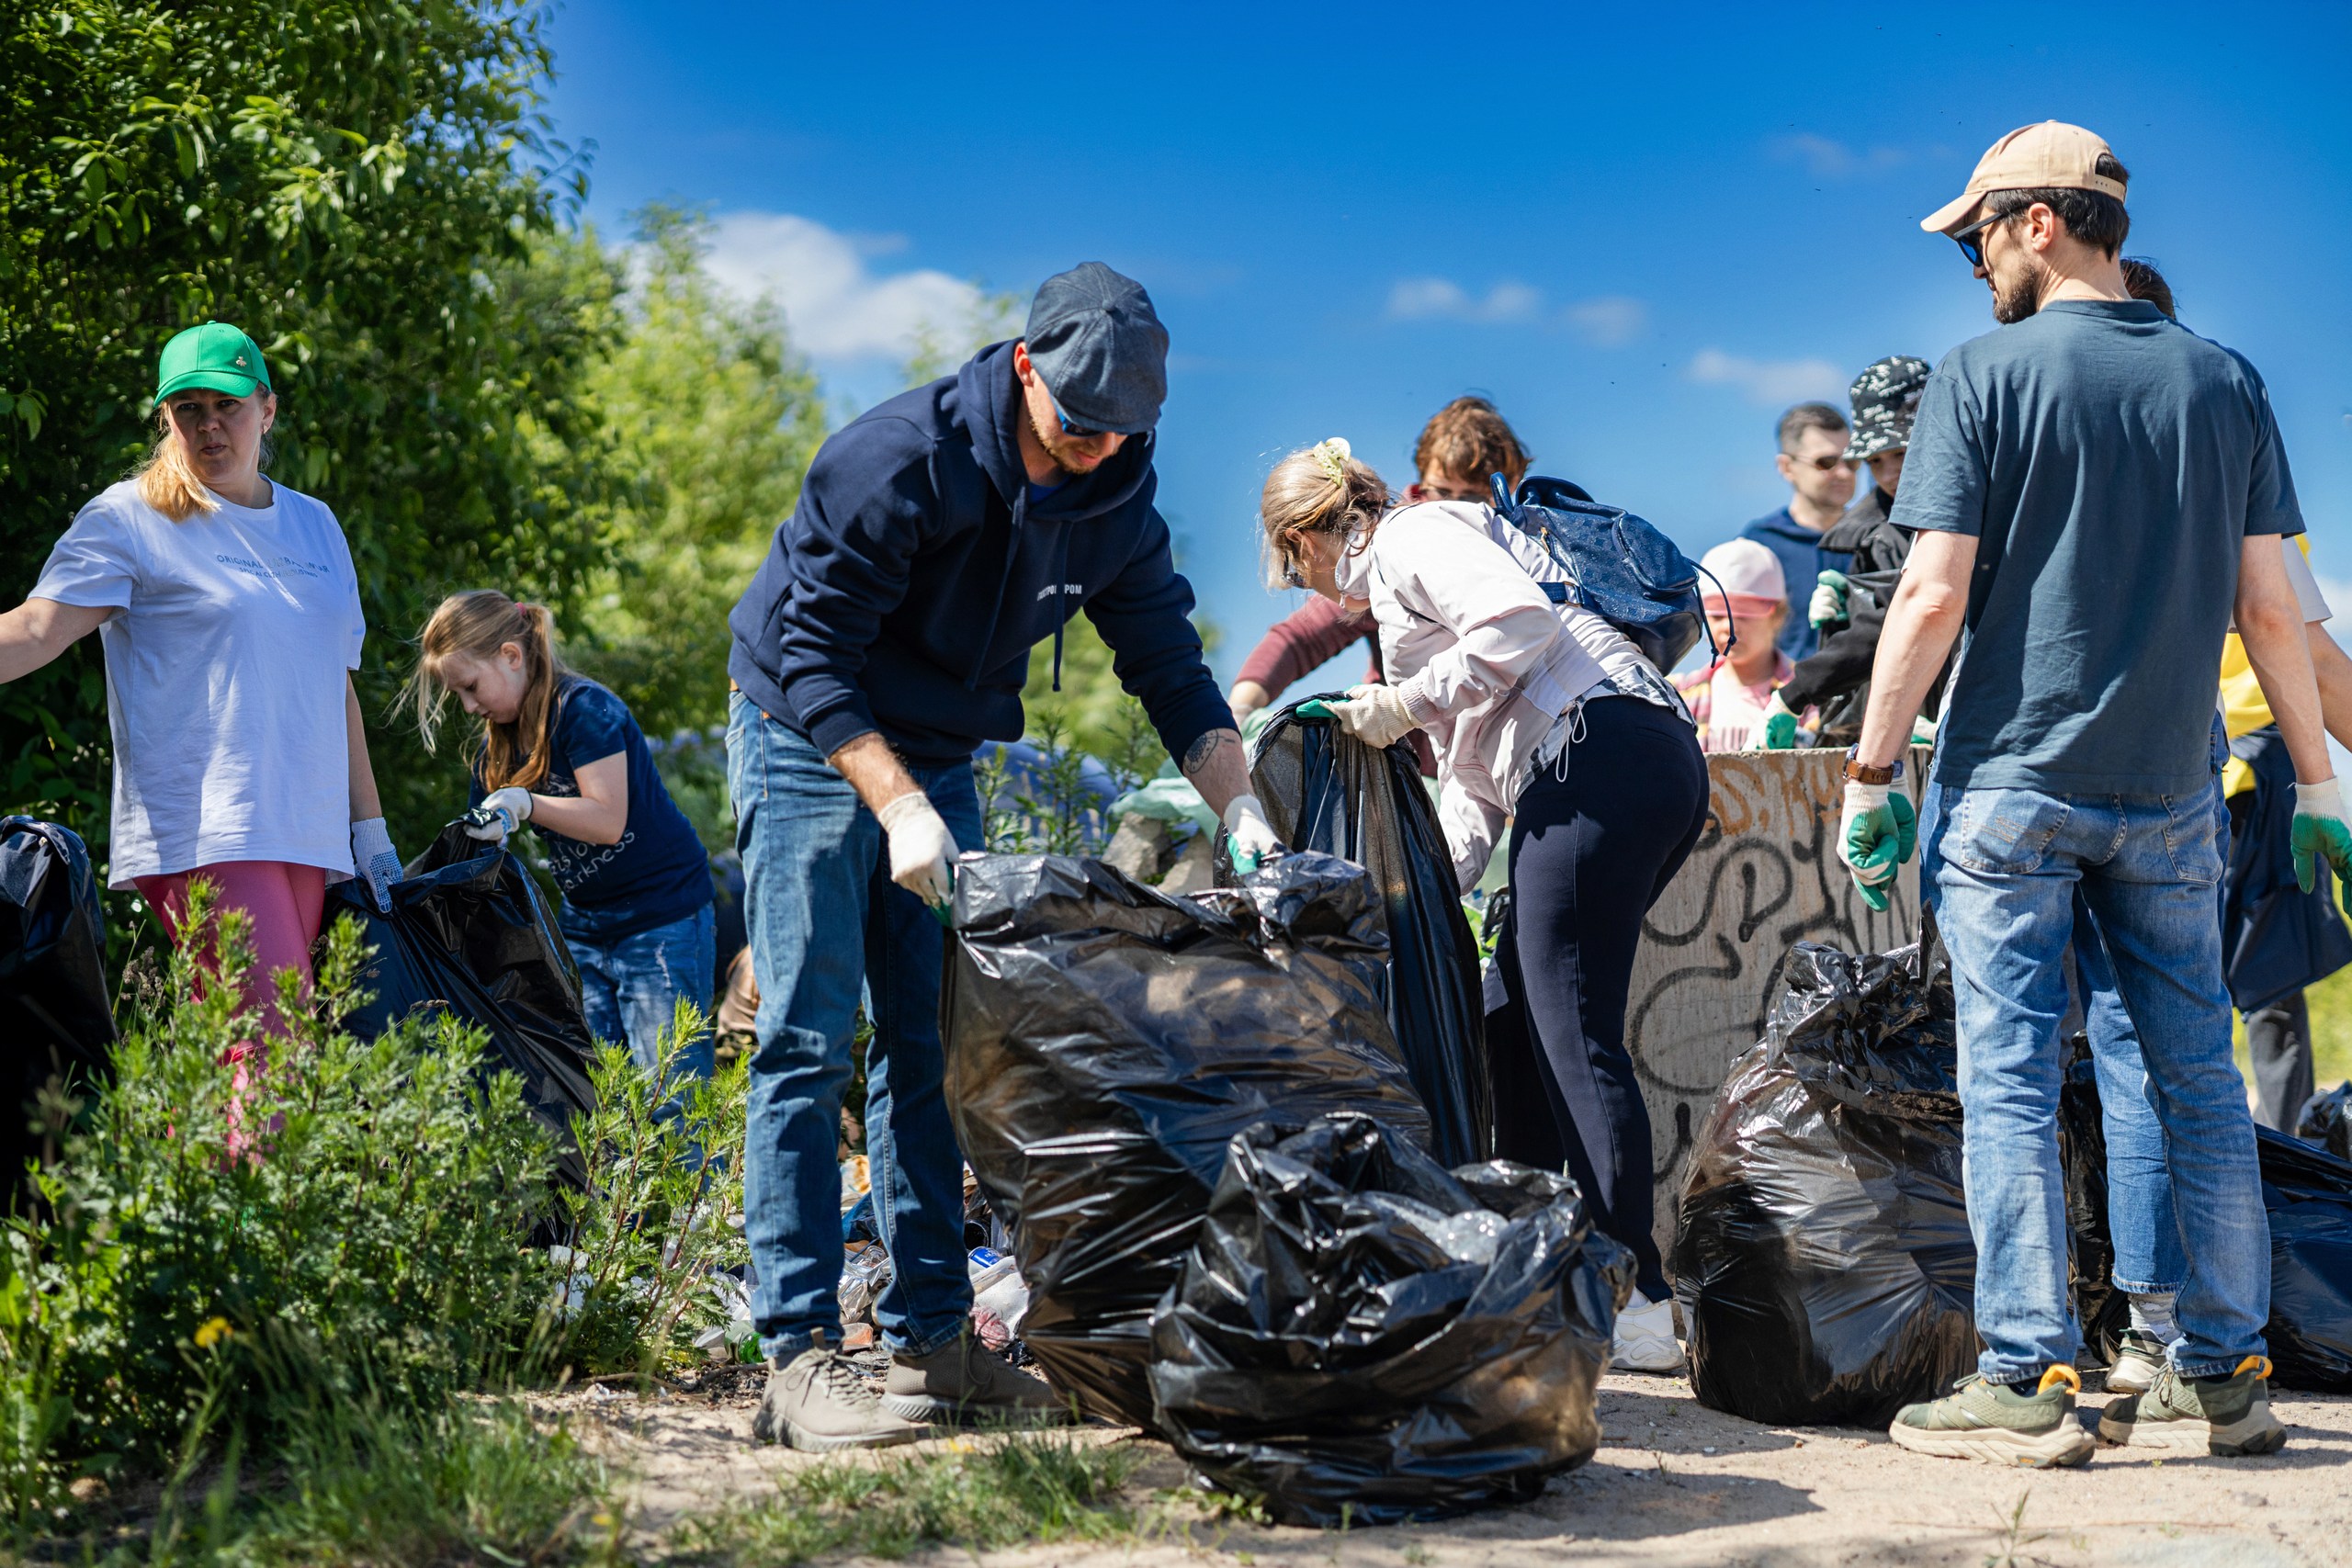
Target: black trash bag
column 470, row 935
column 1324, row 790
column 1359, row 1336
column 1104, row 1043
column 2308, row 1194
column 56, row 1021
column 2326, row 1120
column 1822, row 1252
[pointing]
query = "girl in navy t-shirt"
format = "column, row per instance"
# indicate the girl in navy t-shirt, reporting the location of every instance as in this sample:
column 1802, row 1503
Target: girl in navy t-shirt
column 562, row 753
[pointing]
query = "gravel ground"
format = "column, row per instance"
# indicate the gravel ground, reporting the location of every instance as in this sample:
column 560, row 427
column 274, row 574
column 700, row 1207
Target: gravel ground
column 1674, row 1484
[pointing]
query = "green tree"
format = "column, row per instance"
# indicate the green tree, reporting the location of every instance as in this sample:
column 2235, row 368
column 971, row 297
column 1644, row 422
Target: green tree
column 714, row 420
column 366, row 185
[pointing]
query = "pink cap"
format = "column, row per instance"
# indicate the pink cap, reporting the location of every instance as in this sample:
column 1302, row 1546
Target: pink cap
column 1751, row 578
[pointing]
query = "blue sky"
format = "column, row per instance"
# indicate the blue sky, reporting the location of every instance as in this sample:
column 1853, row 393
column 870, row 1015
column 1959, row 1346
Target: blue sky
column 1642, row 230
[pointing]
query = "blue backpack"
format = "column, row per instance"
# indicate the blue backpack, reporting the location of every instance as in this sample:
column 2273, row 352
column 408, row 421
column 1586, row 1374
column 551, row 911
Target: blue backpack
column 1620, row 566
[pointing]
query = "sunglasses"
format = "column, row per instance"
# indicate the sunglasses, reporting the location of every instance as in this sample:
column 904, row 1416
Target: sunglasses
column 1971, row 239
column 1075, row 431
column 1823, row 464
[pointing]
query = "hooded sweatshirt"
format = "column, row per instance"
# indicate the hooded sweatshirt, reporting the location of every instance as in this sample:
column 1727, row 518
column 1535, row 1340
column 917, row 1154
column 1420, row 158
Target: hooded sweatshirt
column 905, row 592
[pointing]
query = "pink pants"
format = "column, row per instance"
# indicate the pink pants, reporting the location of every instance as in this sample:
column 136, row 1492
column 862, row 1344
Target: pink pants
column 286, row 903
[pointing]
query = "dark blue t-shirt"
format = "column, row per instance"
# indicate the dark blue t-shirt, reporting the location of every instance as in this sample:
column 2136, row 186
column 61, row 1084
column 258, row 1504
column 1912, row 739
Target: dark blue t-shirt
column 1802, row 560
column 658, row 872
column 2110, row 463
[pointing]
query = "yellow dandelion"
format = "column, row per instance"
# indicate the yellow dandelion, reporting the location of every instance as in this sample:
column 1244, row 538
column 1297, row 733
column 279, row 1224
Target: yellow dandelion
column 215, row 1330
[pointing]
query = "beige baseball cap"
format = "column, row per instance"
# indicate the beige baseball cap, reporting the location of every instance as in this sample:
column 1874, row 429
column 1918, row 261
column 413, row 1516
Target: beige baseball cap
column 2052, row 156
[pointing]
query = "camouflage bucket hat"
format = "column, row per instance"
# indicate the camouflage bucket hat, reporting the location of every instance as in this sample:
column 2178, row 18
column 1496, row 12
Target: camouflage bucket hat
column 1886, row 399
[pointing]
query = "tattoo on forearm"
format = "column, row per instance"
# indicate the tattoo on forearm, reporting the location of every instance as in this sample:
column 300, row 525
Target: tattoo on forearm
column 1204, row 749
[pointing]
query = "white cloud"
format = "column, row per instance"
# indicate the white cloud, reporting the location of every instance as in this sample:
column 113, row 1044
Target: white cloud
column 1609, row 321
column 836, row 304
column 1439, row 299
column 1833, row 160
column 1770, row 381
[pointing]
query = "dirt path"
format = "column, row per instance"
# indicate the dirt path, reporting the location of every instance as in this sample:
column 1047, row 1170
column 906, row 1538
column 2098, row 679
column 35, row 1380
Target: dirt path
column 1673, row 1485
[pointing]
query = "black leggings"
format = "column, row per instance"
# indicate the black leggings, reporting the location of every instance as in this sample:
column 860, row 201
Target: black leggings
column 1590, row 854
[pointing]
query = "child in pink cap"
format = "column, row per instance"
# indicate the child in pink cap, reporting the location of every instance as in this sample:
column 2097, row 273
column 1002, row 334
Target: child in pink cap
column 1727, row 699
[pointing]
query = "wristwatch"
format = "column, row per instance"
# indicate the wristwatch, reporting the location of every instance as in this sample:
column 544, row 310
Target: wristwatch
column 1862, row 773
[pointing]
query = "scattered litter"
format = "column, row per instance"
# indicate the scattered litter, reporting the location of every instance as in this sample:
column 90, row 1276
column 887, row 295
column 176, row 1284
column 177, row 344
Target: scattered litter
column 1330, row 1353
column 1104, row 1043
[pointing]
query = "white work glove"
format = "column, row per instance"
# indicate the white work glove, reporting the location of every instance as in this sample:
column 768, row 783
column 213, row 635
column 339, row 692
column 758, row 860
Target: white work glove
column 1827, row 605
column 513, row 806
column 2318, row 832
column 922, row 851
column 1248, row 837
column 1876, row 833
column 1374, row 714
column 375, row 861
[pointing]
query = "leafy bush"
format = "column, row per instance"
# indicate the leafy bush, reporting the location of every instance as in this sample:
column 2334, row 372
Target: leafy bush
column 641, row 1269
column 349, row 1220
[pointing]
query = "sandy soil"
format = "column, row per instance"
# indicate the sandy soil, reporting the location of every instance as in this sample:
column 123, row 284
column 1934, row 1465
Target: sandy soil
column 1674, row 1484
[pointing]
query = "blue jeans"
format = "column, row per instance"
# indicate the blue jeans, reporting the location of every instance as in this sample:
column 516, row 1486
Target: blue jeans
column 631, row 988
column 2007, row 865
column 825, row 917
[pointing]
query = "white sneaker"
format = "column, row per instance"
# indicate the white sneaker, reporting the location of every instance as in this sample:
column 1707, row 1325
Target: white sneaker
column 1645, row 1340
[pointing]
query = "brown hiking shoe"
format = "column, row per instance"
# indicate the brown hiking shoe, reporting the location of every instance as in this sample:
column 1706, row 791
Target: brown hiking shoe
column 817, row 1402
column 967, row 1382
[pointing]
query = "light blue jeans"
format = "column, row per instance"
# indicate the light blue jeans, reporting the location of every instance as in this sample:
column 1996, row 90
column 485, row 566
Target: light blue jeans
column 2007, row 866
column 630, row 988
column 825, row 918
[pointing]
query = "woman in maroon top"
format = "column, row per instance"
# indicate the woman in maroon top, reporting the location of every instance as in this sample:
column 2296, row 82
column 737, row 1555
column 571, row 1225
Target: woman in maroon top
column 1464, row 445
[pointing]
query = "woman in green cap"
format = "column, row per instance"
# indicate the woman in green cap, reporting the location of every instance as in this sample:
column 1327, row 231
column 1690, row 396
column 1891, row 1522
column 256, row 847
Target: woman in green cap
column 230, row 613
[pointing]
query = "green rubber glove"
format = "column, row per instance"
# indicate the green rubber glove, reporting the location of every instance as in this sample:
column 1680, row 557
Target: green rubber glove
column 1314, row 707
column 1877, row 832
column 1780, row 725
column 2318, row 832
column 1828, row 606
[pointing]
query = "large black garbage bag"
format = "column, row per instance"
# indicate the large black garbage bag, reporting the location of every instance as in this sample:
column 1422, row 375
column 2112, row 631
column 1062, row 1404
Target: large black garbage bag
column 56, row 1021
column 1360, row 1336
column 1822, row 1253
column 1105, row 1042
column 2326, row 1120
column 2308, row 1194
column 470, row 935
column 1324, row 790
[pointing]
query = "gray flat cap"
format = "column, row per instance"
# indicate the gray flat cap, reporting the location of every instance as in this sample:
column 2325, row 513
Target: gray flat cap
column 1098, row 344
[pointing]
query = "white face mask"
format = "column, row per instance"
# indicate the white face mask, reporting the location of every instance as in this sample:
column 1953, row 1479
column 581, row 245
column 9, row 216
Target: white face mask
column 1351, row 574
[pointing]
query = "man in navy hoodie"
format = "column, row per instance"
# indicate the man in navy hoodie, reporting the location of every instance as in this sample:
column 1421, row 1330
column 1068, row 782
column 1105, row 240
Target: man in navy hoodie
column 938, row 539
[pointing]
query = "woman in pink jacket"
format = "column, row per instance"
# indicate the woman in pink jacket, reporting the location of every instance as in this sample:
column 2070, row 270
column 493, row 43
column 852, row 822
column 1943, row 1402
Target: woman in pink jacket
column 1545, row 716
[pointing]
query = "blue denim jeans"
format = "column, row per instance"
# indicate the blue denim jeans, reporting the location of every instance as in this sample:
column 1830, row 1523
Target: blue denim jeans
column 631, row 988
column 2140, row 1218
column 824, row 919
column 2007, row 865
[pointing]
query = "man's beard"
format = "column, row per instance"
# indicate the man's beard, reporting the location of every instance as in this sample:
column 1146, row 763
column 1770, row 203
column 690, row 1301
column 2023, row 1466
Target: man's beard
column 2020, row 296
column 1038, row 430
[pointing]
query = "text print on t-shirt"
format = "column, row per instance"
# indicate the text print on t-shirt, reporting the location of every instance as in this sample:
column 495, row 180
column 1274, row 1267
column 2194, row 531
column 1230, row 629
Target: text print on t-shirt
column 287, row 567
column 576, row 864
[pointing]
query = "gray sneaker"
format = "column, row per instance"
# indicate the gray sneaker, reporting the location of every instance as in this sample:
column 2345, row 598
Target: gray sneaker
column 2229, row 1415
column 817, row 1402
column 967, row 1381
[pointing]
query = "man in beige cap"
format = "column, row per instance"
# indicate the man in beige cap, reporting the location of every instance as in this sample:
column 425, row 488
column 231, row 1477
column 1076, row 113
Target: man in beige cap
column 2093, row 490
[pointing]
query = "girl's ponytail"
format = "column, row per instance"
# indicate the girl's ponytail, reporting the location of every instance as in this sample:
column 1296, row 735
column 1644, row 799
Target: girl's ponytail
column 479, row 622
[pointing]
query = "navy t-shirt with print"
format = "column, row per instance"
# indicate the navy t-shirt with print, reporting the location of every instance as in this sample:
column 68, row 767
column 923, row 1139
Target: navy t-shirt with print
column 658, row 872
column 2110, row 464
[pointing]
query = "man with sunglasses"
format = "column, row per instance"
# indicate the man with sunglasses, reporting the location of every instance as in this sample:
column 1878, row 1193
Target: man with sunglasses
column 938, row 539
column 2093, row 489
column 1813, row 460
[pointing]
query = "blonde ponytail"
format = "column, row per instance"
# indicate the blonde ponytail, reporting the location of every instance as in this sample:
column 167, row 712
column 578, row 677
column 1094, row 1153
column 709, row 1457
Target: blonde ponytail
column 479, row 623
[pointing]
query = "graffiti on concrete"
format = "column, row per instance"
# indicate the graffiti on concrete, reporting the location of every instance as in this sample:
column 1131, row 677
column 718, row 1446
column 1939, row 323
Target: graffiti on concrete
column 1765, row 875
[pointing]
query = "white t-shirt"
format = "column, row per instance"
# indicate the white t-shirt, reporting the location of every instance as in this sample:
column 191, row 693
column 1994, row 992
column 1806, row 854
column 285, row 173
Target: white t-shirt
column 226, row 661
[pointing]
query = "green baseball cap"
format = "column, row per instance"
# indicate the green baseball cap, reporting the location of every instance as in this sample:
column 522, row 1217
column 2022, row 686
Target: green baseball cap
column 215, row 354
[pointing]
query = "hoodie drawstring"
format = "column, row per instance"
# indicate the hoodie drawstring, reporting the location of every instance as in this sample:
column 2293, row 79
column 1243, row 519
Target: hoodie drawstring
column 996, row 607
column 1062, row 610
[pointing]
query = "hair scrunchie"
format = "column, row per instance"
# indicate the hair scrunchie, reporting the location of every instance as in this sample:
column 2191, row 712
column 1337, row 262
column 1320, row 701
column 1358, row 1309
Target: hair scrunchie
column 1333, row 454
